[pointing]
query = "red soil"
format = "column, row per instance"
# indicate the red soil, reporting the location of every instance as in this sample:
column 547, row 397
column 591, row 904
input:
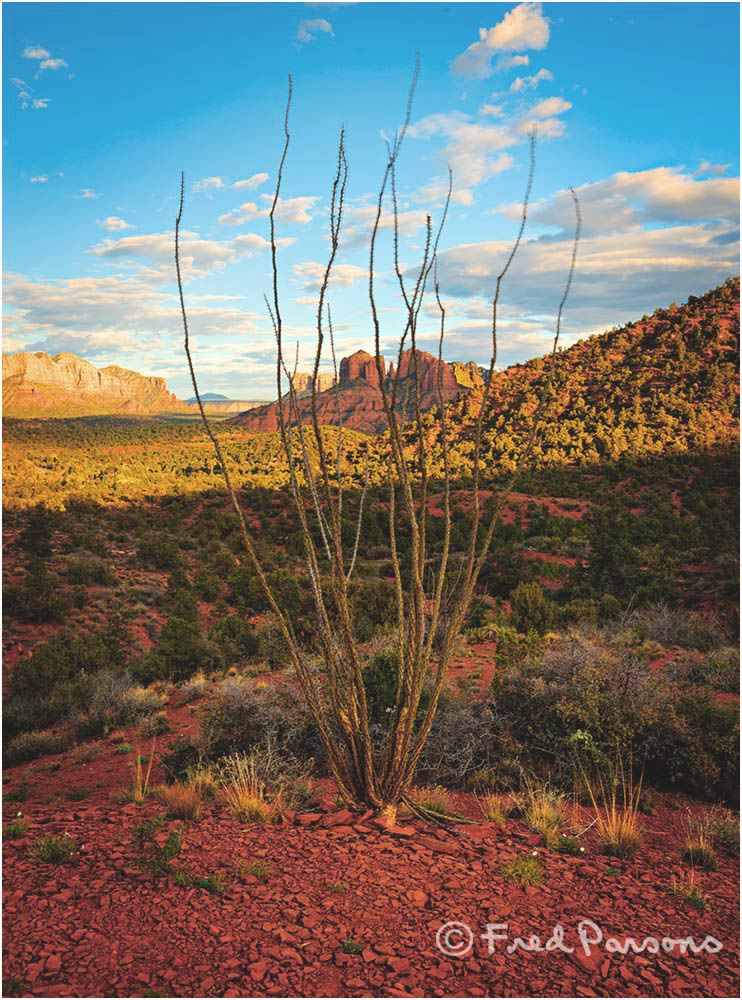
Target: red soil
column 104, row 926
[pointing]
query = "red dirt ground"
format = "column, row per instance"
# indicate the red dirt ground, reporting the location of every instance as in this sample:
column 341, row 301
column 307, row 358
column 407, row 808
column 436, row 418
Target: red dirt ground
column 102, row 926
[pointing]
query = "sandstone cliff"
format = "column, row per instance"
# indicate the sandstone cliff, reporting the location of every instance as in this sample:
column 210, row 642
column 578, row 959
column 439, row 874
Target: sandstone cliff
column 38, row 385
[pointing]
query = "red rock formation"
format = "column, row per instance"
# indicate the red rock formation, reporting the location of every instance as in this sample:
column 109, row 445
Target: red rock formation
column 360, row 397
column 64, row 385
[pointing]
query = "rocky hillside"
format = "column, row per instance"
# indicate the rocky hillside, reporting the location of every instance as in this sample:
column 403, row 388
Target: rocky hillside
column 38, row 385
column 358, row 393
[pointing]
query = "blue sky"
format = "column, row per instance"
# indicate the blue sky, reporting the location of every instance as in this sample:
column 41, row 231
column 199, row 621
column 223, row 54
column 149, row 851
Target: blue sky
column 104, row 104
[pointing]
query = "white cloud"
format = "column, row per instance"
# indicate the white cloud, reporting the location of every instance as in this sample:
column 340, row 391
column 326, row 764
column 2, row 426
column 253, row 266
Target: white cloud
column 290, row 211
column 52, row 64
column 521, row 83
column 252, row 182
column 87, row 193
column 309, row 30
column 311, row 274
column 35, row 52
column 523, row 27
column 41, row 102
column 209, row 184
column 114, row 224
column 551, row 106
column 474, row 151
column 495, row 110
column 40, row 179
column 627, row 201
column 509, row 62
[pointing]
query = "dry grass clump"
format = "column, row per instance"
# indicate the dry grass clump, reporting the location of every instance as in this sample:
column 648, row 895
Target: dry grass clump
column 697, row 842
column 495, row 807
column 616, row 798
column 546, row 811
column 182, row 801
column 142, row 768
column 245, row 791
column 435, row 799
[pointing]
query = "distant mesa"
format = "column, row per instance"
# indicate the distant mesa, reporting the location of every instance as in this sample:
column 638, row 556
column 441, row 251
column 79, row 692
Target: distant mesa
column 209, row 397
column 357, row 399
column 39, row 385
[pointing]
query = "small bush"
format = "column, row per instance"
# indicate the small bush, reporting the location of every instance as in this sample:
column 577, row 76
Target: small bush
column 155, row 725
column 124, row 748
column 530, row 609
column 525, row 870
column 151, row 852
column 724, row 827
column 54, row 850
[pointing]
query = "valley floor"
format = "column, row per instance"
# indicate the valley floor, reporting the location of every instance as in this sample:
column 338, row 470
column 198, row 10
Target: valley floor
column 333, row 904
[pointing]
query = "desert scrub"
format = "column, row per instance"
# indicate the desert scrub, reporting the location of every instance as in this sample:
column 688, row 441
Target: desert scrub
column 615, row 797
column 181, row 801
column 30, row 745
column 525, row 870
column 54, row 850
column 154, row 725
column 724, row 826
column 192, row 689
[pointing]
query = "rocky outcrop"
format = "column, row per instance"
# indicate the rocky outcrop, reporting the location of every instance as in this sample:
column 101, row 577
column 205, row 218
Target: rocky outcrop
column 303, row 381
column 358, row 398
column 38, row 385
column 468, row 375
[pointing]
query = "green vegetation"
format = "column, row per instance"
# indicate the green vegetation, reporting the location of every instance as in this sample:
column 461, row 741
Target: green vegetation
column 54, row 850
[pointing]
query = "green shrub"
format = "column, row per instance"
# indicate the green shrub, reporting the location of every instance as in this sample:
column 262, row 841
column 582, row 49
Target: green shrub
column 236, row 638
column 12, row 831
column 530, row 609
column 525, row 870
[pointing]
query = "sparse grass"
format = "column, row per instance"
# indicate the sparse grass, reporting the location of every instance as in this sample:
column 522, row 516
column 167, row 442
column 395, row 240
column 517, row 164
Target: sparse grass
column 525, row 870
column 140, row 778
column 202, row 778
column 697, row 843
column 54, row 850
column 615, row 797
column 84, row 755
column 181, row 801
column 568, row 845
column 20, row 794
column 495, row 808
column 687, row 887
column 545, row 811
column 338, row 888
column 246, row 793
column 12, row 831
column 351, row 947
column 214, row 884
column 261, row 869
column 150, row 852
column 124, row 748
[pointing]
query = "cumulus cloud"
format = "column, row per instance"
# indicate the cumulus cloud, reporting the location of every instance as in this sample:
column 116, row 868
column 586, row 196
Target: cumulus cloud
column 524, row 27
column 628, row 200
column 551, row 106
column 208, row 184
column 35, row 52
column 252, row 182
column 521, row 83
column 52, row 64
column 474, row 150
column 290, row 211
column 114, row 224
column 311, row 273
column 505, row 63
column 308, row 31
